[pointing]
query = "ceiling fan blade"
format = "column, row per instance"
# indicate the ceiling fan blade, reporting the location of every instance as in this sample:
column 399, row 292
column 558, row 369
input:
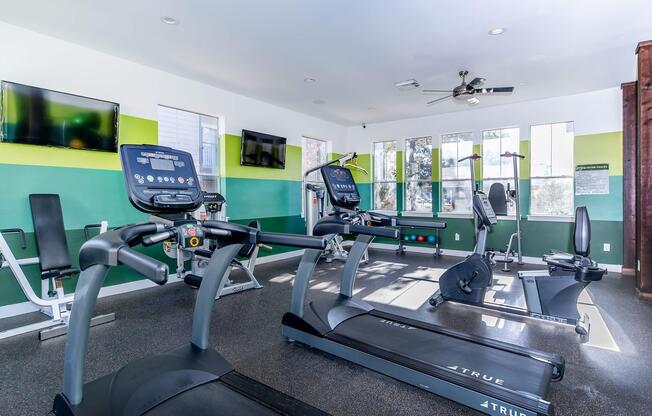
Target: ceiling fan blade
column 437, row 91
column 439, row 99
column 494, row 90
column 477, row 82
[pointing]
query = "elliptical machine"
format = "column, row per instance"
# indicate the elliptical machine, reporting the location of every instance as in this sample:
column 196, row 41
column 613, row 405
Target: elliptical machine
column 469, row 279
column 500, row 199
column 215, row 203
column 315, row 206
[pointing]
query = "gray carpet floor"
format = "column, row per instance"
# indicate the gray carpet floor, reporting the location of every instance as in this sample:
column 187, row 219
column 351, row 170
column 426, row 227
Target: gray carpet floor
column 609, row 375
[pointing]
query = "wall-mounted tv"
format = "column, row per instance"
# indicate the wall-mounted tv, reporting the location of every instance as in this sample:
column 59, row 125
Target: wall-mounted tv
column 263, row 150
column 37, row 116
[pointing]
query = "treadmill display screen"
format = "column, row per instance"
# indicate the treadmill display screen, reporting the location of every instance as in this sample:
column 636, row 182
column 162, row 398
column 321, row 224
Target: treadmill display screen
column 160, row 179
column 341, row 186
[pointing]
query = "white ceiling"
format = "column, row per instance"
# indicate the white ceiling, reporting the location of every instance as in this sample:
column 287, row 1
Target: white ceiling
column 357, row 49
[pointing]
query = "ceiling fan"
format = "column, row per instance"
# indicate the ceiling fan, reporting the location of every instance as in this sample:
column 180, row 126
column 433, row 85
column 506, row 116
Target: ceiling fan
column 468, row 91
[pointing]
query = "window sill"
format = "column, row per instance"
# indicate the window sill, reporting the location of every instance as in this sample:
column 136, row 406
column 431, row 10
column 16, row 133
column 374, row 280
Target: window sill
column 454, row 215
column 550, row 218
column 426, row 214
column 506, row 217
column 385, row 212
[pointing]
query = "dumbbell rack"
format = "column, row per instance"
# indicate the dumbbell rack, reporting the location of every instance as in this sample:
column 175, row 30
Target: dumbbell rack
column 401, row 249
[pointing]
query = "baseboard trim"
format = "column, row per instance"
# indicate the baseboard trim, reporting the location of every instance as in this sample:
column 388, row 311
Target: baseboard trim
column 28, row 307
column 645, row 296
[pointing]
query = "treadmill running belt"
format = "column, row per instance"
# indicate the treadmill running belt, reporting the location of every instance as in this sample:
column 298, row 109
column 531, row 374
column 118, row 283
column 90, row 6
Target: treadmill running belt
column 429, row 349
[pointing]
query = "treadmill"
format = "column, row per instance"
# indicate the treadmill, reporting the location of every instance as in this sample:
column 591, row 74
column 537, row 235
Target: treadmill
column 193, row 379
column 487, row 375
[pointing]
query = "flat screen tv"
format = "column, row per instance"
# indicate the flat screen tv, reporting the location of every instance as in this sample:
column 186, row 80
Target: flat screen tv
column 37, row 116
column 263, row 150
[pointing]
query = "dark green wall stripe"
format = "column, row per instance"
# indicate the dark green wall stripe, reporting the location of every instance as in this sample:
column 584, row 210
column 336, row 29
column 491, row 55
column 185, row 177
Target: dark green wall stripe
column 257, row 198
column 87, row 195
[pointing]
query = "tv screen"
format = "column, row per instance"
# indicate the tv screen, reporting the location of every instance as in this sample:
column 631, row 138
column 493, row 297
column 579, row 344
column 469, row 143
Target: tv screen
column 264, row 150
column 37, row 116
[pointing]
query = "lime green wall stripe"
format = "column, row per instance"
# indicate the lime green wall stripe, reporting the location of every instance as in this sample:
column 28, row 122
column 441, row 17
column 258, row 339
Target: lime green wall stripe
column 232, row 145
column 399, row 166
column 132, row 130
column 435, row 165
column 524, row 164
column 601, row 148
column 364, row 161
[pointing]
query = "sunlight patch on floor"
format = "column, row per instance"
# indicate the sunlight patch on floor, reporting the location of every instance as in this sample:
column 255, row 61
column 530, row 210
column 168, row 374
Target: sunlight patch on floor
column 425, row 273
column 403, row 293
column 283, row 278
column 382, row 267
column 600, row 336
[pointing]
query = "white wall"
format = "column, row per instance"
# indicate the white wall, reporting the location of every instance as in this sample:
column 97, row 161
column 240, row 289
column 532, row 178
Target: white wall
column 31, row 58
column 593, row 112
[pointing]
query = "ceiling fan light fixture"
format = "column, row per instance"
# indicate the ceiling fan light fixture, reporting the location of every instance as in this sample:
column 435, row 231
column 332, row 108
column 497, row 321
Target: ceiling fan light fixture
column 408, row 84
column 473, row 100
column 309, row 80
column 497, row 31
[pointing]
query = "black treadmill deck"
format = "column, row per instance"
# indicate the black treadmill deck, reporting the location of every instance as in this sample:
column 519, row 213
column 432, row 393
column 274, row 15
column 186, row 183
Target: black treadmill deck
column 187, row 381
column 488, row 375
column 427, row 351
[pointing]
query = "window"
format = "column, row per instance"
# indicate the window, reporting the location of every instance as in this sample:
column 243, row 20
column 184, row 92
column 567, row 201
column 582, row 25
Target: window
column 551, row 178
column 197, row 134
column 418, row 174
column 313, row 154
column 385, row 175
column 496, row 168
column 456, row 178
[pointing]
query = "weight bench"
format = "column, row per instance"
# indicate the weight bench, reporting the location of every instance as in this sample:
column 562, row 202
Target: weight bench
column 55, row 264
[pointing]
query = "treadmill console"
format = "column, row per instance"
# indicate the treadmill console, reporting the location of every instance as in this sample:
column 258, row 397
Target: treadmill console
column 483, row 209
column 160, row 179
column 341, row 186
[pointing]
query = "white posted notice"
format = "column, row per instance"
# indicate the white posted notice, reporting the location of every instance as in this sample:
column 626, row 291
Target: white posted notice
column 592, row 179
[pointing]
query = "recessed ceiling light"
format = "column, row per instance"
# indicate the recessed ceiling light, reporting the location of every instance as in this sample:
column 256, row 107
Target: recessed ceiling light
column 497, row 31
column 319, row 102
column 372, row 109
column 168, row 20
column 309, row 80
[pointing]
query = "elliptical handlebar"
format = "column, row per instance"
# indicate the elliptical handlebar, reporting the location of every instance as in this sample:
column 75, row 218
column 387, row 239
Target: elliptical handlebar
column 512, row 154
column 474, row 156
column 154, row 270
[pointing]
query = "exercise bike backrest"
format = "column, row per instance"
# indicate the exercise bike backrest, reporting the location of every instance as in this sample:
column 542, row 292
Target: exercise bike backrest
column 484, row 211
column 582, row 232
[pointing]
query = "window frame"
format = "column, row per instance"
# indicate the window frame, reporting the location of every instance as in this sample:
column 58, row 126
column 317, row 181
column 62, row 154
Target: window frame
column 452, row 214
column 547, row 217
column 374, row 181
column 217, row 177
column 304, row 180
column 406, row 181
